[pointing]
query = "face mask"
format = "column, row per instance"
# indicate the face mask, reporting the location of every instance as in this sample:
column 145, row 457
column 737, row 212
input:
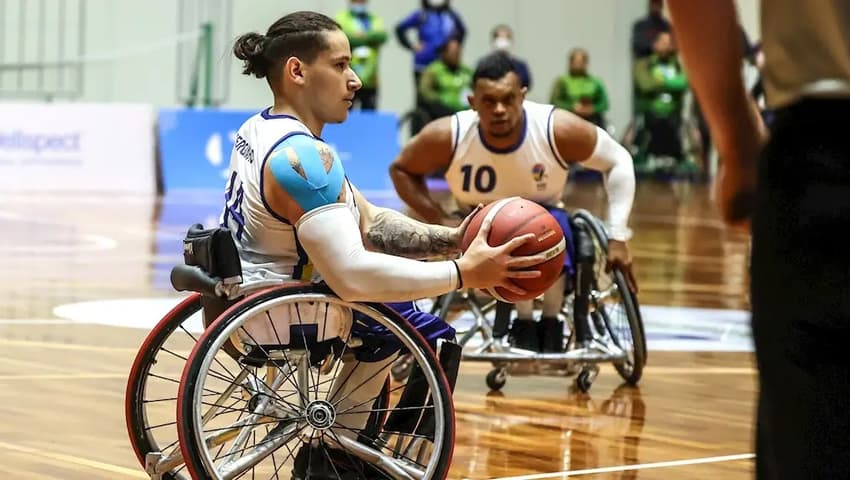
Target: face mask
column 436, row 3
column 502, row 43
column 358, row 8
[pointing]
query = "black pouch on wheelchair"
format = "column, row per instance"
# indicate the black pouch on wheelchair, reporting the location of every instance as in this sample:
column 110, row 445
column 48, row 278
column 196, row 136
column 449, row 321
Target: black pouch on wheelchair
column 214, row 251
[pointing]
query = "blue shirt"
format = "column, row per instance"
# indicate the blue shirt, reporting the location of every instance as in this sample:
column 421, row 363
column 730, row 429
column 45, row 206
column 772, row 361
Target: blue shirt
column 433, row 28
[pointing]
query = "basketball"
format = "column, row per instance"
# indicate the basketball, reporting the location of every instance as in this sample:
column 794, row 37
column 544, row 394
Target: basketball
column 513, row 217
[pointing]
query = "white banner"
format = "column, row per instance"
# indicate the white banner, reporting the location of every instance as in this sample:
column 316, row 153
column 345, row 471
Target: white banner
column 77, row 147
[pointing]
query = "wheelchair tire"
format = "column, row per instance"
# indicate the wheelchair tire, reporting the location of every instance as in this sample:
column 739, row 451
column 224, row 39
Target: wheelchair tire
column 135, row 403
column 193, row 442
column 632, row 372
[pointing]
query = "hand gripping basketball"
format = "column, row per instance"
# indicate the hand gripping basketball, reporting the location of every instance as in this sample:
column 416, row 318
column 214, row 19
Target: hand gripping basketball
column 501, row 244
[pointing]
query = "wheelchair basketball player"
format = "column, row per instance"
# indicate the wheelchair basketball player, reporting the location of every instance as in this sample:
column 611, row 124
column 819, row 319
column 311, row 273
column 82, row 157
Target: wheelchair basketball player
column 508, row 146
column 294, row 215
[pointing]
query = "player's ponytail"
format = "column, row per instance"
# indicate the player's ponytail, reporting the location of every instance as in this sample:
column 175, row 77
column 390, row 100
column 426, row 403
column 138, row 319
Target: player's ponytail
column 299, row 34
column 250, row 49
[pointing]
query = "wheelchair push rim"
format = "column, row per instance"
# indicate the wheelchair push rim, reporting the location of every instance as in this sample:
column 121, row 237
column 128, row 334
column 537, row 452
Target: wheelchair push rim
column 614, row 308
column 213, row 437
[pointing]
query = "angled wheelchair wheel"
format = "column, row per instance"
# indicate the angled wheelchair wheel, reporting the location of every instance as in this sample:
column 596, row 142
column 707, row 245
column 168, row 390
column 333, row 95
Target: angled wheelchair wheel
column 614, row 309
column 151, row 395
column 311, row 395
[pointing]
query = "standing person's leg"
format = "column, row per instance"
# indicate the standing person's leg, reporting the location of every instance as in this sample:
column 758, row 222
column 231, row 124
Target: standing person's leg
column 801, row 309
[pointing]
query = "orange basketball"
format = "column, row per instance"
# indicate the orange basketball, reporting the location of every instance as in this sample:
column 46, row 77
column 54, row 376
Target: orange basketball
column 513, row 217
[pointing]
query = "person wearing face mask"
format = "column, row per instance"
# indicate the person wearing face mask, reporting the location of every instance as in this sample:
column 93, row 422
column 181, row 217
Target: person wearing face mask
column 366, row 34
column 580, row 92
column 502, row 40
column 435, row 23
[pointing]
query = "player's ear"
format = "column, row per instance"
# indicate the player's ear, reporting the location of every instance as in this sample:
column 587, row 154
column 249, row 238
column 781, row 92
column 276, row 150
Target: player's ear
column 294, row 69
column 523, row 91
column 470, row 99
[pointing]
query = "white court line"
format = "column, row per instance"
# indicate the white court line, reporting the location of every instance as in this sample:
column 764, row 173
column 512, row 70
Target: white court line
column 640, row 466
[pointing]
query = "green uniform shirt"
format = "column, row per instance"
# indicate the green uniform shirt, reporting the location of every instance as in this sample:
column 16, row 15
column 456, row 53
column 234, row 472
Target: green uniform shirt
column 366, row 38
column 449, row 87
column 661, row 85
column 569, row 90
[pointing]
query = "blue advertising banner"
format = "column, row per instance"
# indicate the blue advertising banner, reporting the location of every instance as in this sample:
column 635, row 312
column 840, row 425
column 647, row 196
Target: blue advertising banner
column 195, row 145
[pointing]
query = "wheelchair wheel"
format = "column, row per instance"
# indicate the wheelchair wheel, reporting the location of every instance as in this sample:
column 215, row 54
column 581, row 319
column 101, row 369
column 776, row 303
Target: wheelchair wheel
column 151, row 395
column 306, row 396
column 614, row 308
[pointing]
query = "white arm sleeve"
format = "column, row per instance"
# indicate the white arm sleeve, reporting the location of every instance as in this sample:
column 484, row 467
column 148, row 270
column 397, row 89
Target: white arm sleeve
column 615, row 163
column 333, row 242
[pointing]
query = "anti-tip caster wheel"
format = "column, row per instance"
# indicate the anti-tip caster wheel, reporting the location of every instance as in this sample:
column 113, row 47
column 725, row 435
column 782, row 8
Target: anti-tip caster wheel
column 496, row 379
column 585, row 378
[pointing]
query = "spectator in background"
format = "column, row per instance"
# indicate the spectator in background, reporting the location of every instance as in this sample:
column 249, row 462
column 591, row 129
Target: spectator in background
column 435, row 23
column 502, row 39
column 580, row 92
column 646, row 30
column 445, row 83
column 662, row 85
column 366, row 35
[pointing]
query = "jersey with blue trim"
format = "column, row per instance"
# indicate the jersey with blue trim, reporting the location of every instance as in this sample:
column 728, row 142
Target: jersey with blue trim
column 267, row 243
column 532, row 169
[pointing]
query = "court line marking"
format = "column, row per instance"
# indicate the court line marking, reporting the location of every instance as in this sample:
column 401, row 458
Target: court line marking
column 63, row 458
column 639, row 466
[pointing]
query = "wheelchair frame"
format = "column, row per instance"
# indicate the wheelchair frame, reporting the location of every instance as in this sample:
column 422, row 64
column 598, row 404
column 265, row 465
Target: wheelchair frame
column 603, row 347
column 427, row 459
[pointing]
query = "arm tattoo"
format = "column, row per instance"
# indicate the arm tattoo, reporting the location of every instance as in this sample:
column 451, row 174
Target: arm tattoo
column 396, row 234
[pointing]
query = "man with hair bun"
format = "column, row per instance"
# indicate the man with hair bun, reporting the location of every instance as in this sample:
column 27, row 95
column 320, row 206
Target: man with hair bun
column 294, row 214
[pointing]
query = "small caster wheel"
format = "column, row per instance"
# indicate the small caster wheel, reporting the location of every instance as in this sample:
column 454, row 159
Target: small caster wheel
column 585, row 378
column 401, row 367
column 496, row 379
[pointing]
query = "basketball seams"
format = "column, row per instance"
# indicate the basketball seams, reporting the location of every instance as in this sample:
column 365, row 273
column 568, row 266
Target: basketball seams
column 525, row 215
column 492, row 214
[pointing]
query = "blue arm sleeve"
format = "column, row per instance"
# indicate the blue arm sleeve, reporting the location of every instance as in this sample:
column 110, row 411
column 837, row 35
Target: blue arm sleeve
column 308, row 169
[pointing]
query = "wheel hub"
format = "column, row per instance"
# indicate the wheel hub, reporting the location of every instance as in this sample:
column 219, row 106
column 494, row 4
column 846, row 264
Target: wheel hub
column 320, row 414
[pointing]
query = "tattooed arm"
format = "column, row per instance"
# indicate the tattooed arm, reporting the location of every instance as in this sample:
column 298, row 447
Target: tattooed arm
column 394, row 233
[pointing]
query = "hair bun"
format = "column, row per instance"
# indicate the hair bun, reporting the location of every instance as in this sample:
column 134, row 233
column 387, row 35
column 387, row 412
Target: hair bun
column 250, row 49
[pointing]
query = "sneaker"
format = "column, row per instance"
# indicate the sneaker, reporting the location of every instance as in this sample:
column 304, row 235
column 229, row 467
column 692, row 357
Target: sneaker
column 551, row 333
column 524, row 335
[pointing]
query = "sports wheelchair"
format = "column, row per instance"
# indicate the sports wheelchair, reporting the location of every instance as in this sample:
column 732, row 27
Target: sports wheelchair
column 611, row 332
column 270, row 378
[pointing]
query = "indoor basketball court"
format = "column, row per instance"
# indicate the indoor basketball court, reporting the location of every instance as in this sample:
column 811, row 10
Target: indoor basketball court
column 88, row 280
column 87, row 260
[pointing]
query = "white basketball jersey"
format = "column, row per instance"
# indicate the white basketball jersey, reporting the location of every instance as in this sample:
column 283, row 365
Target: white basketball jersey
column 532, row 169
column 267, row 242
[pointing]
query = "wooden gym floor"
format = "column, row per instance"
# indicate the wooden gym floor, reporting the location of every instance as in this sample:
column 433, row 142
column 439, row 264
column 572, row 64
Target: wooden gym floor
column 63, row 370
